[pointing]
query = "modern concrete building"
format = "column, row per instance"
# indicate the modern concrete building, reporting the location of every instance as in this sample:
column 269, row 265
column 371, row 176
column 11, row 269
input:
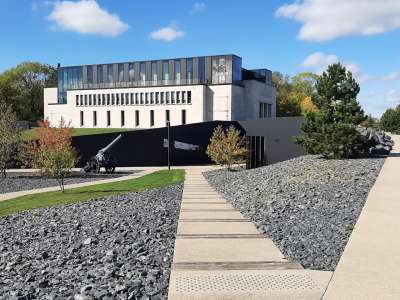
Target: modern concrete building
column 147, row 94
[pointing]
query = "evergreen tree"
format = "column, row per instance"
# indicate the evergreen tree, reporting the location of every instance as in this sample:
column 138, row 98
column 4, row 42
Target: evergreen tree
column 331, row 130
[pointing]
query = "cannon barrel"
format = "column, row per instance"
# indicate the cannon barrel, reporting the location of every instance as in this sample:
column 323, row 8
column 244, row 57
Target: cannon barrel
column 110, row 145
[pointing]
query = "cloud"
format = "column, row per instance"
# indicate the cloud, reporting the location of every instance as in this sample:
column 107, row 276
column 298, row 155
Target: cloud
column 86, row 17
column 392, row 76
column 198, row 7
column 324, row 20
column 319, row 62
column 167, row 34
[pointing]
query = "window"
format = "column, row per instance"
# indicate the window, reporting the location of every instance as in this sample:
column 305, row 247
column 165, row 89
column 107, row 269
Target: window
column 183, row 97
column 162, row 97
column 136, row 98
column 136, row 118
column 167, row 97
column 90, row 100
column 99, row 74
column 154, row 72
column 132, row 96
column 81, row 117
column 94, row 118
column 177, row 70
column 85, row 99
column 110, row 73
column 120, row 72
column 131, row 72
column 122, row 118
column 151, row 98
column 108, row 118
column 81, row 100
column 165, row 72
column 269, row 110
column 141, row 98
column 178, row 97
column 189, row 70
column 112, row 99
column 265, row 110
column 183, row 116
column 89, row 74
column 77, row 100
column 117, row 96
column 189, row 97
column 202, row 69
column 103, row 99
column 142, row 72
column 108, row 99
column 151, row 118
column 157, row 97
column 127, row 98
column 167, row 119
column 172, row 97
column 99, row 99
column 122, row 99
column 146, row 98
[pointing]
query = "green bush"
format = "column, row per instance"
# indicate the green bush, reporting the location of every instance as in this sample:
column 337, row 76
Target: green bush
column 390, row 120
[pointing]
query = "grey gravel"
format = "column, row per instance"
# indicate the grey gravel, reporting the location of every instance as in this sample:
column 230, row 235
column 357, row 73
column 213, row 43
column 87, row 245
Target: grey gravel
column 120, row 247
column 307, row 205
column 15, row 182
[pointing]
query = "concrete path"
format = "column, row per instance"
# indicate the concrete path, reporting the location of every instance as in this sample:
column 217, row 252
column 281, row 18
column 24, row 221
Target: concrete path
column 370, row 265
column 221, row 255
column 8, row 196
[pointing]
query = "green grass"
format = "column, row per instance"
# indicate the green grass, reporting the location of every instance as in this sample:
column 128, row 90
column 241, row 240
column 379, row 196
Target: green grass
column 31, row 134
column 154, row 180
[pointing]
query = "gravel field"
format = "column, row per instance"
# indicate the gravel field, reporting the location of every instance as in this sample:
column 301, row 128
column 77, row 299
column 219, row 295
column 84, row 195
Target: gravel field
column 307, row 205
column 120, row 247
column 15, row 182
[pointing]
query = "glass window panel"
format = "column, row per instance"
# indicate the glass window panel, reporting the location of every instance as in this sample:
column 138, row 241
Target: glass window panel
column 189, row 70
column 165, row 71
column 99, row 74
column 154, row 71
column 120, row 72
column 110, row 73
column 131, row 72
column 177, row 70
column 142, row 72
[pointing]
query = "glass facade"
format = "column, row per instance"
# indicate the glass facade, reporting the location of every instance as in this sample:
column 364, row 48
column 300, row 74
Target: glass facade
column 221, row 69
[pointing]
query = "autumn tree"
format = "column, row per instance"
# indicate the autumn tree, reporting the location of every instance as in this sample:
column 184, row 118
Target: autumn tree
column 52, row 152
column 10, row 136
column 227, row 147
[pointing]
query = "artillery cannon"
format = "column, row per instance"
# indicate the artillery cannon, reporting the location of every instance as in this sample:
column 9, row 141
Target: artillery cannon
column 103, row 159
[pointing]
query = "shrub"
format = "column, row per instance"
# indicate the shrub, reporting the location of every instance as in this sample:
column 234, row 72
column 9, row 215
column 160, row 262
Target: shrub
column 10, row 137
column 228, row 147
column 390, row 120
column 331, row 130
column 52, row 152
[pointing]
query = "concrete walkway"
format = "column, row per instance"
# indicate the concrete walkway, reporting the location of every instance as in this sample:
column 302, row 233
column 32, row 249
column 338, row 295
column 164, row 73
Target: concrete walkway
column 221, row 255
column 8, row 196
column 370, row 265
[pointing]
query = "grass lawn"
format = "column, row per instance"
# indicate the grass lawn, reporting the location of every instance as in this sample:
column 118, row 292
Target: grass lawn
column 154, row 180
column 31, row 134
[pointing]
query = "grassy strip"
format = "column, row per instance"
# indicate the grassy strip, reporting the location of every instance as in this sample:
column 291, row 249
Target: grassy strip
column 154, row 180
column 31, row 134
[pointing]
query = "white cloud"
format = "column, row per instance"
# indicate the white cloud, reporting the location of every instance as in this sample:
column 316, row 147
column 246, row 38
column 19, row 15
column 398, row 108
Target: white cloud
column 324, row 20
column 392, row 76
column 319, row 62
column 167, row 34
column 198, row 7
column 86, row 17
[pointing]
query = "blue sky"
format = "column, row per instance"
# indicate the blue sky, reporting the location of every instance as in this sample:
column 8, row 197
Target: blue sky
column 288, row 36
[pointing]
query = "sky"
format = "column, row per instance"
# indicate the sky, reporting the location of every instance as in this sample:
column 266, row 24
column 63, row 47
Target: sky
column 289, row 36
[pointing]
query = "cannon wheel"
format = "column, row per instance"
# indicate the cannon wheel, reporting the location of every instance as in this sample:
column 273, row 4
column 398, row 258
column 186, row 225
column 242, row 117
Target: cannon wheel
column 110, row 169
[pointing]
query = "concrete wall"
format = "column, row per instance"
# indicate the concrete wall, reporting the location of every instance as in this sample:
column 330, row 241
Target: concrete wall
column 278, row 134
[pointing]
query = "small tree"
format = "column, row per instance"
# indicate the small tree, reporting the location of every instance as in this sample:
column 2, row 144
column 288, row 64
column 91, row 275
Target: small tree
column 390, row 120
column 53, row 153
column 228, row 147
column 331, row 130
column 10, row 136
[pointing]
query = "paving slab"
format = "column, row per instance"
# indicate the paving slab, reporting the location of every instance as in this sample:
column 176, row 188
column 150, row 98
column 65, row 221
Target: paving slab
column 370, row 264
column 211, row 215
column 216, row 228
column 206, row 205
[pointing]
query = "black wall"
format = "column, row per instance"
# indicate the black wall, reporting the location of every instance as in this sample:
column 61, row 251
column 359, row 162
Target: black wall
column 145, row 147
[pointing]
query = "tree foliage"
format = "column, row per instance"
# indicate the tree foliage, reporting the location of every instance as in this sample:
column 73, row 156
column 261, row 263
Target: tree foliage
column 22, row 88
column 10, row 136
column 331, row 130
column 228, row 147
column 52, row 153
column 390, row 120
column 294, row 95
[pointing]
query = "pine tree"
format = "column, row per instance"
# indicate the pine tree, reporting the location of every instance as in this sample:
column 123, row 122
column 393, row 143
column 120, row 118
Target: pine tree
column 331, row 130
